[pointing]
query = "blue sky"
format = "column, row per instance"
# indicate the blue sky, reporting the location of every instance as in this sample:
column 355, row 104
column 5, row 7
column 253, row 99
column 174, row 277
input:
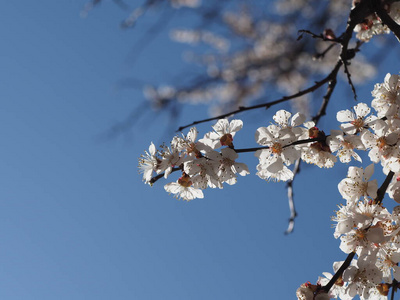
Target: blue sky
column 76, row 221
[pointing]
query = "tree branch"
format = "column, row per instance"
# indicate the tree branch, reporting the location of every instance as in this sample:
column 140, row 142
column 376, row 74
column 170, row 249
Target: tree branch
column 386, row 19
column 299, row 142
column 382, row 190
column 267, row 105
column 327, row 97
column 394, row 288
column 339, row 272
column 155, row 178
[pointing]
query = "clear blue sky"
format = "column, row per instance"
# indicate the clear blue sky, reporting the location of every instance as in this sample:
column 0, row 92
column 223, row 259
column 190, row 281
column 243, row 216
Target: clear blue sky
column 76, row 221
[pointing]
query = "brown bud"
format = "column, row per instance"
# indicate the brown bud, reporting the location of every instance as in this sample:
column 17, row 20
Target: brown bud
column 185, row 180
column 383, row 289
column 329, row 34
column 313, row 132
column 226, row 140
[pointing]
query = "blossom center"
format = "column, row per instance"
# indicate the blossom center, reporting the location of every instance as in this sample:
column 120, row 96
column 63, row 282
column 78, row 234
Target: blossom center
column 192, row 149
column 383, row 289
column 185, row 180
column 391, row 96
column 358, row 124
column 381, row 142
column 347, row 145
column 226, row 139
column 276, row 148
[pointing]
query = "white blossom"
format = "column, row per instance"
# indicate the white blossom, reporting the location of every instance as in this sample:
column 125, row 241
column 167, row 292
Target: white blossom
column 358, row 184
column 356, row 121
column 182, row 189
column 148, row 163
column 223, row 133
column 345, row 145
column 387, row 96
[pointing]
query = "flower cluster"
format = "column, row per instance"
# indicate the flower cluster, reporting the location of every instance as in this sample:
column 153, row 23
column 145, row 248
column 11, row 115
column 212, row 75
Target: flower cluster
column 363, row 225
column 369, row 230
column 372, row 25
column 283, row 142
column 201, row 165
column 288, row 140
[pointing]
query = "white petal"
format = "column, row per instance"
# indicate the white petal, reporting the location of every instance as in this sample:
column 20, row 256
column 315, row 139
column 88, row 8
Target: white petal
column 192, row 135
column 362, row 110
column 235, row 126
column 172, row 187
column 241, row 169
column 152, row 149
column 345, row 116
column 263, row 136
column 282, row 117
column 229, row 153
column 372, row 188
column 221, row 127
column 368, row 172
column 298, row 119
column 275, row 166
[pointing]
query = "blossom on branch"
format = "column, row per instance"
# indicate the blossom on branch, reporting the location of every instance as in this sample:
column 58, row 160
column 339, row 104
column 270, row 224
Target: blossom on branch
column 223, row 133
column 182, row 189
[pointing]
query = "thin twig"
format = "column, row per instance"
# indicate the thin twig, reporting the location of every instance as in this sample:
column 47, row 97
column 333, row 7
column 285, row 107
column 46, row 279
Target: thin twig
column 316, row 36
column 267, row 105
column 323, row 53
column 324, row 105
column 299, row 142
column 347, row 72
column 155, row 178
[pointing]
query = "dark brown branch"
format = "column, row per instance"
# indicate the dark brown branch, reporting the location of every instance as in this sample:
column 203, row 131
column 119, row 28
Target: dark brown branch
column 155, row 178
column 339, row 272
column 386, row 19
column 267, row 105
column 327, row 97
column 323, row 53
column 382, row 190
column 244, row 150
column 316, row 36
column 299, row 142
column 357, row 15
column 347, row 72
column 394, row 288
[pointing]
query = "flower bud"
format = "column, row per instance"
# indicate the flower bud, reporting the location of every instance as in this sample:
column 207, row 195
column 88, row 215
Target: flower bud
column 383, row 289
column 329, row 34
